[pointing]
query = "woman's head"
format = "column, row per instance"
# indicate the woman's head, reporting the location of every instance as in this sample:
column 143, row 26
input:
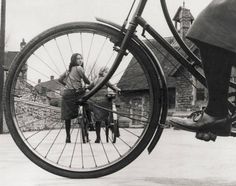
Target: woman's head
column 76, row 60
column 103, row 71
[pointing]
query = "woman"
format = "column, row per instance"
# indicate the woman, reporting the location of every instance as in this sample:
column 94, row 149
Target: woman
column 72, row 80
column 101, row 99
column 214, row 33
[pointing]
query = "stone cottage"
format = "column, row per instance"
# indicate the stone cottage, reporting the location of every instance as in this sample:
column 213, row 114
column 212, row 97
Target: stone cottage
column 185, row 93
column 49, row 91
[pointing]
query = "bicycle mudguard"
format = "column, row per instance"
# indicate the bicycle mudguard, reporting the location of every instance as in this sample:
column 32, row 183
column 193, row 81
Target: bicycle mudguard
column 108, row 22
column 164, row 94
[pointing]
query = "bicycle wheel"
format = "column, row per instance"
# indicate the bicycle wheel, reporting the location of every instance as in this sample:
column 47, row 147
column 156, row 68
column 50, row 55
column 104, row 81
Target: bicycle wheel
column 33, row 107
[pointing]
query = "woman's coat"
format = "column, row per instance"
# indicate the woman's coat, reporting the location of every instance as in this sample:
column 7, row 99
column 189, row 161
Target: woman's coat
column 216, row 25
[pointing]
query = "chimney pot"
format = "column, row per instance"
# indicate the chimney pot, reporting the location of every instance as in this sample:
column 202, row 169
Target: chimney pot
column 22, row 44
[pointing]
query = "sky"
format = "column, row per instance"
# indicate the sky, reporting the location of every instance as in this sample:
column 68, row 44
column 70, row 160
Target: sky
column 27, row 18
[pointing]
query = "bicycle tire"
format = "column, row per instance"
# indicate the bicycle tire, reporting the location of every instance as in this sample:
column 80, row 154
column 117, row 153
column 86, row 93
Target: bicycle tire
column 114, row 37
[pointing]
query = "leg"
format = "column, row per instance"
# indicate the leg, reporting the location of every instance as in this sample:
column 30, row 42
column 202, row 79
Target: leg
column 98, row 131
column 90, row 123
column 107, row 126
column 68, row 126
column 217, row 64
column 89, row 117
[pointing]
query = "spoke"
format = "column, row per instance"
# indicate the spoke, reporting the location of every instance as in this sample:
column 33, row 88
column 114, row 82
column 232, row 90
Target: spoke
column 96, row 60
column 68, row 37
column 130, row 132
column 92, row 154
column 26, row 139
column 81, row 145
column 77, row 135
column 64, row 146
column 105, row 151
column 81, row 44
column 89, row 50
column 43, row 137
column 125, row 142
column 63, row 60
column 109, row 60
column 44, row 75
column 51, row 59
column 54, row 141
column 114, row 145
column 81, row 139
column 60, row 53
column 109, row 139
column 45, row 63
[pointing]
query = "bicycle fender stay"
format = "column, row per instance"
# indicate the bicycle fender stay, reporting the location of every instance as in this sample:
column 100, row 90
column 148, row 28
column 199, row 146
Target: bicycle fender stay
column 164, row 94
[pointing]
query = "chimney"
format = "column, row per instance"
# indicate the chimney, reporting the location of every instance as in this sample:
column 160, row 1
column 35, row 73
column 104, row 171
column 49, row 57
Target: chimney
column 185, row 22
column 39, row 81
column 22, row 44
column 52, row 77
column 184, row 18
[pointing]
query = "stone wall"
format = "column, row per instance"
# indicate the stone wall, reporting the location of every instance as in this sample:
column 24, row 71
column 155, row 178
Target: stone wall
column 32, row 116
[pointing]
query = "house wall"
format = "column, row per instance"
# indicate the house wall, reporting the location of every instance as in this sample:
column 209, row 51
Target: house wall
column 184, row 91
column 136, row 105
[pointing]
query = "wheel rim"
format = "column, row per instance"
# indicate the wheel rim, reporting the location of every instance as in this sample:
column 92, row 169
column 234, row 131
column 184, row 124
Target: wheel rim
column 47, row 141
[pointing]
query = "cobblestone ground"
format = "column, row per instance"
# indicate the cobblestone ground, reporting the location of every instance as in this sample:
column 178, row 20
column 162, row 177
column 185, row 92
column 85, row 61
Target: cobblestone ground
column 178, row 159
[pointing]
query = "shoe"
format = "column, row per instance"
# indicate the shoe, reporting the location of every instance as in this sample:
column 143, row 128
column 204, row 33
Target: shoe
column 206, row 136
column 205, row 124
column 68, row 140
column 97, row 140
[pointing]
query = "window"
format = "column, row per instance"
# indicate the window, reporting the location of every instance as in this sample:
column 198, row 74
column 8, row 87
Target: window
column 200, row 94
column 171, row 97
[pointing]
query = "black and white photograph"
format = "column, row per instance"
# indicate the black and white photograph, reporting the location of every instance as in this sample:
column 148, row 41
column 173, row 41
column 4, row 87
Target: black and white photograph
column 117, row 92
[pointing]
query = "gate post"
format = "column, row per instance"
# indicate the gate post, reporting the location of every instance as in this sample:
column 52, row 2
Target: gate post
column 2, row 56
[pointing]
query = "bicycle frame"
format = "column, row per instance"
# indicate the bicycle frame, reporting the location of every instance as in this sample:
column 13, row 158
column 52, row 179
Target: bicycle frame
column 189, row 62
column 137, row 20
